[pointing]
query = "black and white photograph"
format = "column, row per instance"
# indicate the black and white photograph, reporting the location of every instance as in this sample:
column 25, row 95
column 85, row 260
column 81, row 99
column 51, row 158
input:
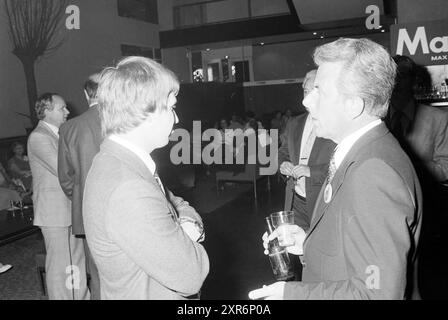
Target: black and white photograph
column 223, row 154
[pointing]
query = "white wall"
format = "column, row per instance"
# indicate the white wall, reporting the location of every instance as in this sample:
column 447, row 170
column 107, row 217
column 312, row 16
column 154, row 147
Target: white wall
column 85, row 51
column 12, row 88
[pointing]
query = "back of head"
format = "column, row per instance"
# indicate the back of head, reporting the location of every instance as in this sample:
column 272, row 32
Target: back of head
column 368, row 71
column 91, row 87
column 44, row 102
column 406, row 74
column 129, row 92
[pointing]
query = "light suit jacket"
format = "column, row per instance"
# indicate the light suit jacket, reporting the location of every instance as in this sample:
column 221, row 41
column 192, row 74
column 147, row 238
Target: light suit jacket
column 51, row 206
column 141, row 252
column 362, row 243
column 79, row 142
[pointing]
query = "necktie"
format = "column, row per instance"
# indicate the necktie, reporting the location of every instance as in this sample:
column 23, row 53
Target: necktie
column 172, row 211
column 304, row 157
column 306, row 151
column 159, row 182
column 331, row 168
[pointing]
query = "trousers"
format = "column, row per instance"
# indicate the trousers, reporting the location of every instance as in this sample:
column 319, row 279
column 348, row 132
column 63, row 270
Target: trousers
column 65, row 265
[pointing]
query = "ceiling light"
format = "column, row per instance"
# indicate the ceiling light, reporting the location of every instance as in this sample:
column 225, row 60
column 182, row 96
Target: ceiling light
column 314, row 33
column 262, row 43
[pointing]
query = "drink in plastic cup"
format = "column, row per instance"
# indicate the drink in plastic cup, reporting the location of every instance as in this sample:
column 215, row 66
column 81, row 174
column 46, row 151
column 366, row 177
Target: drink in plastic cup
column 280, row 221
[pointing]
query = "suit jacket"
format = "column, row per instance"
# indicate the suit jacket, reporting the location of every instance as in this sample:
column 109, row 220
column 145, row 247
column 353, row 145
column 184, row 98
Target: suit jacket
column 428, row 140
column 51, row 206
column 362, row 244
column 318, row 162
column 79, row 142
column 141, row 252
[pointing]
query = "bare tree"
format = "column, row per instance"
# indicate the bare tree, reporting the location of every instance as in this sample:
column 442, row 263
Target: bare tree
column 33, row 29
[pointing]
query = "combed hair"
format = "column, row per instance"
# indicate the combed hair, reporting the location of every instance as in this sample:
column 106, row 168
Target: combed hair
column 368, row 71
column 44, row 102
column 91, row 88
column 131, row 91
column 309, row 75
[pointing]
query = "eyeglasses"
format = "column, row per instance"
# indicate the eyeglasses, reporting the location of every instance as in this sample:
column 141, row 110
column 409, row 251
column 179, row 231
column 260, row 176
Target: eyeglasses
column 176, row 118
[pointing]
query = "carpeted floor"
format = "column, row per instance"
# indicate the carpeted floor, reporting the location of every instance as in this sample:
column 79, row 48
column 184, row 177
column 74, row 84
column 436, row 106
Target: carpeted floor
column 22, row 281
column 233, row 243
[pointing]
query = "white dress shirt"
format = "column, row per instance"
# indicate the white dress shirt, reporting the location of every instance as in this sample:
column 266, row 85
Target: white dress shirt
column 305, row 153
column 142, row 154
column 53, row 128
column 347, row 143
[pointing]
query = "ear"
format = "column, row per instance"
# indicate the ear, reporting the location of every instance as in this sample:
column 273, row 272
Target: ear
column 354, row 107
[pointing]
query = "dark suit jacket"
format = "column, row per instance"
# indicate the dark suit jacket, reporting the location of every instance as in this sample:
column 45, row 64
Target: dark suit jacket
column 362, row 244
column 79, row 142
column 318, row 163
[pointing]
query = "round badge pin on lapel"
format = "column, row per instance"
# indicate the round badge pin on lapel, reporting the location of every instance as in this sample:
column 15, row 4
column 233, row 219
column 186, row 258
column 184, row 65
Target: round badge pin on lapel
column 328, row 193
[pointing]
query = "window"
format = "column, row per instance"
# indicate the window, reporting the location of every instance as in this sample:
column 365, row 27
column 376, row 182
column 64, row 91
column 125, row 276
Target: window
column 145, row 10
column 130, row 50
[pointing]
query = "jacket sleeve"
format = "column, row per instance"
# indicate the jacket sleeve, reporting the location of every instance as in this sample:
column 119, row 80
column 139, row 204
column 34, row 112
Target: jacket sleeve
column 183, row 208
column 66, row 172
column 138, row 220
column 44, row 150
column 438, row 165
column 378, row 227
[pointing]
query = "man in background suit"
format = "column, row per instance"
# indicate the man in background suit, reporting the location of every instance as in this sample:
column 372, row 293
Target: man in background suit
column 64, row 253
column 79, row 142
column 304, row 160
column 145, row 241
column 365, row 228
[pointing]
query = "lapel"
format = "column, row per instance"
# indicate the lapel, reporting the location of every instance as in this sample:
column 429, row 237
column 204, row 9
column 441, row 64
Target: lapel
column 297, row 137
column 137, row 165
column 321, row 207
column 41, row 126
column 319, row 144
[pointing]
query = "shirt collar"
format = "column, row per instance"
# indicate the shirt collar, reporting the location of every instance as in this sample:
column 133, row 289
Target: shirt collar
column 53, row 128
column 142, row 154
column 347, row 143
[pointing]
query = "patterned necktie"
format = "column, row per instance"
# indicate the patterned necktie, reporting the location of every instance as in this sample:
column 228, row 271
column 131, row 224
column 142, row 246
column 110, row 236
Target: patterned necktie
column 306, row 151
column 172, row 210
column 159, row 182
column 331, row 168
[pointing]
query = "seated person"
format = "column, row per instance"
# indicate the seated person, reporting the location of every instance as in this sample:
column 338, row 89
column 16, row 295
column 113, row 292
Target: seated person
column 7, row 190
column 19, row 166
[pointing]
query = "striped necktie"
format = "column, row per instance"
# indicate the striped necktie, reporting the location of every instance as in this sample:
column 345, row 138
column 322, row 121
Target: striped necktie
column 170, row 206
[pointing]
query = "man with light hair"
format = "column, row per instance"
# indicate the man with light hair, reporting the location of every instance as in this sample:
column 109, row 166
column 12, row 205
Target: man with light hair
column 79, row 142
column 304, row 161
column 65, row 260
column 144, row 240
column 365, row 228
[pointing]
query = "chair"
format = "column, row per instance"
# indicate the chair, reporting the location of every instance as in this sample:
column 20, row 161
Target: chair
column 251, row 173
